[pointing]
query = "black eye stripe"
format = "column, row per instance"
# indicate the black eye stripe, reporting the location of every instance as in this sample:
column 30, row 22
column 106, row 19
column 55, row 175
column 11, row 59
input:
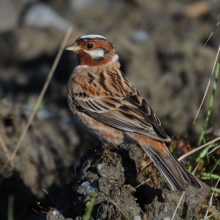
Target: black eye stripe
column 89, row 45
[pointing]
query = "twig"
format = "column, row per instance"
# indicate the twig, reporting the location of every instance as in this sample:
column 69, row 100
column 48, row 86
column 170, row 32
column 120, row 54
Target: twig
column 198, row 148
column 213, row 68
column 178, row 205
column 30, row 119
column 5, row 149
column 210, row 201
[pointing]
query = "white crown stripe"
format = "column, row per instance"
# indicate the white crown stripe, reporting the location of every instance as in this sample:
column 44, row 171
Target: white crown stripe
column 93, row 36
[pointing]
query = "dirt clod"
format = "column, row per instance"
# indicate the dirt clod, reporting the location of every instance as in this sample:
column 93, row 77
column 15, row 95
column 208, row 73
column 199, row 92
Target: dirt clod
column 114, row 178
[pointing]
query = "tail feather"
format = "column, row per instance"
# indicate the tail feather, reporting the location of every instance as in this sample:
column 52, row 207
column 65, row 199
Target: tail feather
column 174, row 173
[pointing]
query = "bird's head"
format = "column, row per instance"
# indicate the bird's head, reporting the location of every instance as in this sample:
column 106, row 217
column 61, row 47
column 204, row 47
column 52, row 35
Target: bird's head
column 93, row 50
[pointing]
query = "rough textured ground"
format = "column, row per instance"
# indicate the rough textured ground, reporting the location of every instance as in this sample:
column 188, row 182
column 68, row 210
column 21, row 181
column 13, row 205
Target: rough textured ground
column 115, row 177
column 160, row 44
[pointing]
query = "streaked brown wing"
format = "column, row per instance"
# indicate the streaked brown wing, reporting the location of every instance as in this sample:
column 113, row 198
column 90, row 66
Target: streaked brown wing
column 126, row 110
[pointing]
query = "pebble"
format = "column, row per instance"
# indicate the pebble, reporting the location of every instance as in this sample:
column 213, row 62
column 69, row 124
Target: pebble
column 41, row 16
column 87, row 188
column 157, row 217
column 105, row 171
column 139, row 36
column 138, row 217
column 55, row 213
column 167, row 218
column 165, row 209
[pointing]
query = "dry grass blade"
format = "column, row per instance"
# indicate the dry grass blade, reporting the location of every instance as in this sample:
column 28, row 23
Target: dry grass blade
column 198, row 148
column 30, row 119
column 210, row 201
column 196, row 167
column 178, row 205
column 141, row 183
column 211, row 33
column 207, row 87
column 214, row 149
column 5, row 149
column 49, row 196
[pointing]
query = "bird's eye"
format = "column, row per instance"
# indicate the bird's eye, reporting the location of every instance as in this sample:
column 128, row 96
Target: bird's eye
column 89, row 46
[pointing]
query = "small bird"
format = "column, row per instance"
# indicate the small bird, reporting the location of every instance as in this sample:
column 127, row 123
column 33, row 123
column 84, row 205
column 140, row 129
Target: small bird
column 108, row 106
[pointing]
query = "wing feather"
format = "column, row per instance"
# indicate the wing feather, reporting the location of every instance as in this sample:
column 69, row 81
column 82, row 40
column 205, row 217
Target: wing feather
column 120, row 107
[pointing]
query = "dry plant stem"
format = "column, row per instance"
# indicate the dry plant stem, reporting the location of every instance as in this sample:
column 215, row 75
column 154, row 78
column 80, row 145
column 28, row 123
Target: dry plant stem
column 141, row 183
column 5, row 149
column 213, row 68
column 210, row 201
column 212, row 33
column 214, row 149
column 49, row 196
column 196, row 167
column 198, row 148
column 178, row 205
column 30, row 119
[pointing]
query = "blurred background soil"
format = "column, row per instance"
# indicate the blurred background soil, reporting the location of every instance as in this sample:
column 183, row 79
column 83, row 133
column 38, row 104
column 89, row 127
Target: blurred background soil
column 160, row 45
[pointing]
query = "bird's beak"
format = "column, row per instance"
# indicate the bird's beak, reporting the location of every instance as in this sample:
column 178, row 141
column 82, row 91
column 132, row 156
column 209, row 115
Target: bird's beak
column 73, row 47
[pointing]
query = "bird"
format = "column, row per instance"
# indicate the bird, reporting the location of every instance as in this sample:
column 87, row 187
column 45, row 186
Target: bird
column 107, row 105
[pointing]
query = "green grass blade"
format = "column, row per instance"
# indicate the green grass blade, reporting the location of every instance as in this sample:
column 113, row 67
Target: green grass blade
column 125, row 215
column 208, row 114
column 90, row 207
column 205, row 176
column 211, row 103
column 217, row 163
column 215, row 189
column 10, row 207
column 202, row 154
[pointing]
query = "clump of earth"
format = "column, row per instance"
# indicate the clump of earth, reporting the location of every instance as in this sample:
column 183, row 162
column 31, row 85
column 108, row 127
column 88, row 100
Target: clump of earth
column 124, row 187
column 160, row 45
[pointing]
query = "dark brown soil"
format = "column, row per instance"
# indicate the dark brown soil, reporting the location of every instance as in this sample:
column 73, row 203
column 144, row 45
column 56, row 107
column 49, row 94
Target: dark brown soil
column 115, row 177
column 160, row 44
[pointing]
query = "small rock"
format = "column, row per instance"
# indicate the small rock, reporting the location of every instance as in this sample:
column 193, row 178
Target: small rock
column 123, row 169
column 105, row 171
column 167, row 218
column 138, row 217
column 54, row 213
column 165, row 209
column 157, row 217
column 139, row 36
column 87, row 187
column 41, row 16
